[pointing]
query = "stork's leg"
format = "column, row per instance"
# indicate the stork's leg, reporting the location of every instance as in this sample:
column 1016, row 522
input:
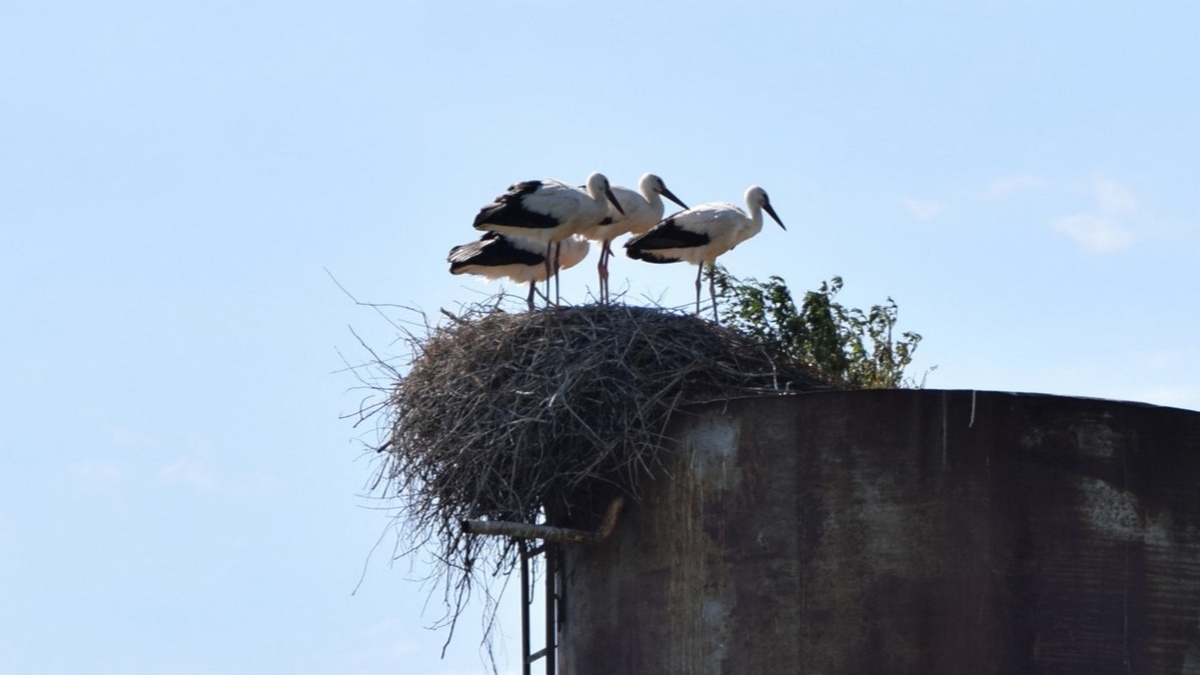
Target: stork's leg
column 532, row 290
column 549, row 271
column 605, row 252
column 600, row 276
column 557, row 264
column 712, row 292
column 699, row 271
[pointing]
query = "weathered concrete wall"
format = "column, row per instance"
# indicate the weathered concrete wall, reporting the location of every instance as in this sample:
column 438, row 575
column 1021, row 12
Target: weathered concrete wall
column 933, row 532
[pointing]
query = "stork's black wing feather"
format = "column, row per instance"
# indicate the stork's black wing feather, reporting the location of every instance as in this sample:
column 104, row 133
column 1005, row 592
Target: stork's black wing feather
column 665, row 235
column 509, row 209
column 491, row 250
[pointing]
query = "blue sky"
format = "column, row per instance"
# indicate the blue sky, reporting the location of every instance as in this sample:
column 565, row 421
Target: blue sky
column 180, row 494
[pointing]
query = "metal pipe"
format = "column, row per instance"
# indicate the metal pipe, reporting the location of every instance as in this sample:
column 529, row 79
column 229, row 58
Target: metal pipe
column 551, row 607
column 525, row 670
column 559, row 535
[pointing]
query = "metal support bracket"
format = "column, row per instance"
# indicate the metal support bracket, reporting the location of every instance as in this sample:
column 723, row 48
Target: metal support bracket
column 549, row 533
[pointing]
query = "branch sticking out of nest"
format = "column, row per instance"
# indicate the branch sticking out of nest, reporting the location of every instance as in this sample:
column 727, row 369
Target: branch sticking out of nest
column 533, row 416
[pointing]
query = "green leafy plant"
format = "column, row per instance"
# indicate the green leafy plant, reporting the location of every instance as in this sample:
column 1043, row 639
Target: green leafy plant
column 846, row 347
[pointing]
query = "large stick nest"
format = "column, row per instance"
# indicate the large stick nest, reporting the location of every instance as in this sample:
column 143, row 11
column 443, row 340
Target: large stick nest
column 525, row 417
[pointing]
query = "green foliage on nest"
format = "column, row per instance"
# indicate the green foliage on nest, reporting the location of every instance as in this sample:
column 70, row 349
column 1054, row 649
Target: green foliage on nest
column 847, row 347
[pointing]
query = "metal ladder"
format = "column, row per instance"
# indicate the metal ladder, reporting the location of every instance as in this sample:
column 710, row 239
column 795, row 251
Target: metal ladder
column 553, row 599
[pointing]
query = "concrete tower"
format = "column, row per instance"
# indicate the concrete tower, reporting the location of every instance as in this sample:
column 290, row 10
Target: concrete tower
column 901, row 531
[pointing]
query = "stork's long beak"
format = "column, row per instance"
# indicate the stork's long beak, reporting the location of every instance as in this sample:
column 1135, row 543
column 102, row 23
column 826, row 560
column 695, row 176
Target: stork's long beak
column 613, row 200
column 771, row 211
column 670, row 195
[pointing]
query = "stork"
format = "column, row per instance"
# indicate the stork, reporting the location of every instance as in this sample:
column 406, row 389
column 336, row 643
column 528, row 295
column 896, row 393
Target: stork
column 523, row 260
column 699, row 235
column 548, row 211
column 641, row 210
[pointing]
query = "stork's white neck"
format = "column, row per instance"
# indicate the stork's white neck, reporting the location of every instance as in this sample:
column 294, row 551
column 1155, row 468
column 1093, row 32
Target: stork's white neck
column 595, row 188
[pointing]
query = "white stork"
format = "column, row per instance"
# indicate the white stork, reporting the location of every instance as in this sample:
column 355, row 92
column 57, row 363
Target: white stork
column 548, row 211
column 523, row 260
column 642, row 209
column 698, row 235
